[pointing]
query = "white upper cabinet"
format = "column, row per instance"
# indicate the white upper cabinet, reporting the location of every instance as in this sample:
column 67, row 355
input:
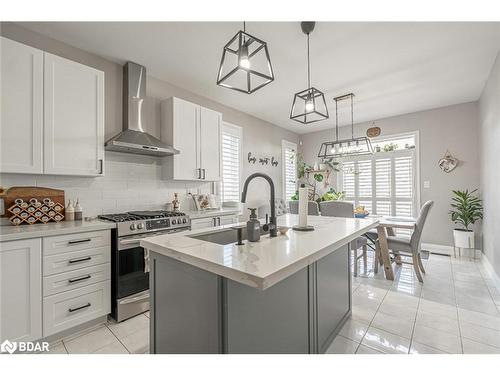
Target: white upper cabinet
column 52, row 118
column 21, row 290
column 210, row 144
column 196, row 132
column 21, row 126
column 73, row 118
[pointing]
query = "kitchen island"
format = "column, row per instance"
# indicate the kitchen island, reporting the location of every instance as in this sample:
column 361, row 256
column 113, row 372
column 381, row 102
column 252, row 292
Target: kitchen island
column 288, row 294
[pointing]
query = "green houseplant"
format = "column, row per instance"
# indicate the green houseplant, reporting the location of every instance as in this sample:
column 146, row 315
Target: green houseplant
column 466, row 209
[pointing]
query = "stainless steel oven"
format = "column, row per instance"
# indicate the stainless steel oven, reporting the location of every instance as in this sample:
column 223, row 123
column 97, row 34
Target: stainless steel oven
column 129, row 276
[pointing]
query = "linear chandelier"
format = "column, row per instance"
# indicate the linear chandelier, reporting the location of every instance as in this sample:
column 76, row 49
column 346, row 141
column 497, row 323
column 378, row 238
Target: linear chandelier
column 245, row 64
column 308, row 105
column 345, row 147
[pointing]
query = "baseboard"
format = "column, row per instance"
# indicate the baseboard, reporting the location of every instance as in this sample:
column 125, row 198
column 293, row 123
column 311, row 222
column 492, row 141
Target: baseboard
column 437, row 249
column 491, row 271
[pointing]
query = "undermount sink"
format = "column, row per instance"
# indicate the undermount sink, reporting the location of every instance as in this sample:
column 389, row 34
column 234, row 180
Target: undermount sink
column 224, row 236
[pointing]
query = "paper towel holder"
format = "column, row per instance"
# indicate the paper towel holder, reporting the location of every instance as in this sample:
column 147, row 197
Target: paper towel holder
column 307, row 228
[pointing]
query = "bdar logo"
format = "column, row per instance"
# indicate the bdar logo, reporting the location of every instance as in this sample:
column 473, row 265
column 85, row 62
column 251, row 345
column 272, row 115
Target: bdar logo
column 8, row 346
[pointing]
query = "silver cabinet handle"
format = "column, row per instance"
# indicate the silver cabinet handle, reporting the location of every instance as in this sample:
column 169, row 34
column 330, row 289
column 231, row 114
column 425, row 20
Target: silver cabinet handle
column 79, row 279
column 101, row 166
column 71, row 261
column 79, row 308
column 199, row 173
column 204, row 174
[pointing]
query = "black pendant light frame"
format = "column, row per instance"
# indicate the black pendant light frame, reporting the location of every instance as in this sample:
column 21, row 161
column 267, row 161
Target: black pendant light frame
column 245, row 40
column 345, row 147
column 309, row 95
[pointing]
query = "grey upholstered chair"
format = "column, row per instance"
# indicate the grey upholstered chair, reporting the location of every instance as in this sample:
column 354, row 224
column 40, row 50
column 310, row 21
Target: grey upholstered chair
column 312, row 208
column 279, row 204
column 346, row 209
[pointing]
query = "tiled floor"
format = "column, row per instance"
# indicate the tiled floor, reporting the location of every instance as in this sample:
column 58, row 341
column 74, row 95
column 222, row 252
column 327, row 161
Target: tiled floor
column 456, row 310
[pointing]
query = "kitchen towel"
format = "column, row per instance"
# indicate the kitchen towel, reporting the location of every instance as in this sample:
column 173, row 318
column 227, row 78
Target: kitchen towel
column 303, row 203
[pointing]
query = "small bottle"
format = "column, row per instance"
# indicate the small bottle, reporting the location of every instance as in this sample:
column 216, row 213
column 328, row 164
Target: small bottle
column 253, row 226
column 69, row 213
column 175, row 203
column 78, row 211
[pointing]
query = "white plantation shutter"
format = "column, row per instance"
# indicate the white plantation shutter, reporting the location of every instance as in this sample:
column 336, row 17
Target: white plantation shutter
column 385, row 183
column 289, row 153
column 231, row 163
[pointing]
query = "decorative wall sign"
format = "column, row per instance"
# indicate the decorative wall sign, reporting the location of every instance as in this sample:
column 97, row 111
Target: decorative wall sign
column 448, row 162
column 265, row 160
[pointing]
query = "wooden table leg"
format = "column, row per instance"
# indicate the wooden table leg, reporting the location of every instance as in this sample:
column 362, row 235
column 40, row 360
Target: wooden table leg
column 384, row 253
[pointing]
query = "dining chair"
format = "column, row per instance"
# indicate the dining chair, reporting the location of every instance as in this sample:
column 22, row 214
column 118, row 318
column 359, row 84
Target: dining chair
column 346, row 209
column 411, row 246
column 312, row 208
column 280, row 208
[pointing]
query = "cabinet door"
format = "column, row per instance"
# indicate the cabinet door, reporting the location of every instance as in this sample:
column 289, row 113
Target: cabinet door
column 229, row 219
column 186, row 140
column 206, row 222
column 22, row 104
column 21, row 290
column 73, row 118
column 210, row 144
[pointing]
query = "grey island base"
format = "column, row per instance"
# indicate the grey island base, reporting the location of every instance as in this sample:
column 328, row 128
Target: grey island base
column 196, row 308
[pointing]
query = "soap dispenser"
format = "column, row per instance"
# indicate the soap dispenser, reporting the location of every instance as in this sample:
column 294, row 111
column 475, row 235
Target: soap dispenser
column 253, row 226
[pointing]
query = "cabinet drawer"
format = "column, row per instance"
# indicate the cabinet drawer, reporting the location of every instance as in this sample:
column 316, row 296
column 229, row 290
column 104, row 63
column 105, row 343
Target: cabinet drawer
column 75, row 260
column 63, row 282
column 77, row 241
column 66, row 310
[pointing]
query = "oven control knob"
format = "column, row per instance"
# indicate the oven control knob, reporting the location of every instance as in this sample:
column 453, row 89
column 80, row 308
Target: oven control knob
column 132, row 226
column 184, row 221
column 174, row 222
column 140, row 226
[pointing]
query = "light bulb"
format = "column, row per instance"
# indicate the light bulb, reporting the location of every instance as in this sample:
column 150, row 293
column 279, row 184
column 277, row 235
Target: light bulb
column 309, row 105
column 243, row 60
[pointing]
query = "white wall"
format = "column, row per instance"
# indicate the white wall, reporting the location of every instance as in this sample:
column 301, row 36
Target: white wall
column 455, row 128
column 489, row 114
column 135, row 182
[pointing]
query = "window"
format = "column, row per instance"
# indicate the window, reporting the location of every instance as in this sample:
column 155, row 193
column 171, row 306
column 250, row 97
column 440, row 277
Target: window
column 289, row 155
column 385, row 182
column 231, row 162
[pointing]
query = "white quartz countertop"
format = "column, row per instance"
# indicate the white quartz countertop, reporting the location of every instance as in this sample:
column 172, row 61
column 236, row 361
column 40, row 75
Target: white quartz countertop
column 10, row 232
column 264, row 263
column 212, row 213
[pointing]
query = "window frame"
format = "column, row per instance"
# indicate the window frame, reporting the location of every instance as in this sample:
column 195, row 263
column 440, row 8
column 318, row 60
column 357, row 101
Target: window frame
column 237, row 131
column 381, row 155
column 284, row 145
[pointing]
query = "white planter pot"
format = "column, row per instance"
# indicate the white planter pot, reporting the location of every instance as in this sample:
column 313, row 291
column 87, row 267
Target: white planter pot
column 463, row 238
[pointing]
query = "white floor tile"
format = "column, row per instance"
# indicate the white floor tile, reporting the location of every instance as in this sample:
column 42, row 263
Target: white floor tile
column 129, row 326
column 438, row 308
column 418, row 348
column 363, row 314
column 113, row 348
column 473, row 347
column 479, row 305
column 439, row 322
column 363, row 349
column 480, row 334
column 90, row 342
column 354, row 329
column 342, row 345
column 57, row 349
column 398, row 309
column 437, row 339
column 484, row 320
column 137, row 342
column 401, row 326
column 385, row 342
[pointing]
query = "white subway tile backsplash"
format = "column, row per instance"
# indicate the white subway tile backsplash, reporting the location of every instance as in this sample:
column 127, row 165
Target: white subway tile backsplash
column 130, row 183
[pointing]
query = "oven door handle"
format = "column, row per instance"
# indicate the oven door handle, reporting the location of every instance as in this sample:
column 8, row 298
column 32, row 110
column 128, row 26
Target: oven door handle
column 135, row 241
column 134, row 299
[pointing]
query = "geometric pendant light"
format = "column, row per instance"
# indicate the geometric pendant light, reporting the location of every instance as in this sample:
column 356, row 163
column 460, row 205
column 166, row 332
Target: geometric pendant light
column 308, row 105
column 245, row 64
column 345, row 147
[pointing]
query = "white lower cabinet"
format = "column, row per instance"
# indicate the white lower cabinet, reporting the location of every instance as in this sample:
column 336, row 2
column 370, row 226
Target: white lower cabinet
column 21, row 290
column 210, row 222
column 52, row 284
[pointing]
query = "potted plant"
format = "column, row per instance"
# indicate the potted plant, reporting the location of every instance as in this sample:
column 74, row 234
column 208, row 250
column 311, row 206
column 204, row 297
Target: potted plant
column 467, row 208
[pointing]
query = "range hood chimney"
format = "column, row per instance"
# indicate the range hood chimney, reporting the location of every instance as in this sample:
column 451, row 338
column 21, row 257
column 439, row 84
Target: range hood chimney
column 133, row 139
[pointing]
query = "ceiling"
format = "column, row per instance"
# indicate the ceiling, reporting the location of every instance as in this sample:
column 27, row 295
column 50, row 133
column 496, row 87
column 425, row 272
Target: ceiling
column 393, row 68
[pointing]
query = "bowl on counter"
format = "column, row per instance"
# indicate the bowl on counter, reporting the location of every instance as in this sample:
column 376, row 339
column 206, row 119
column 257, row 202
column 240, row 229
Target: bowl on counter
column 361, row 216
column 283, row 230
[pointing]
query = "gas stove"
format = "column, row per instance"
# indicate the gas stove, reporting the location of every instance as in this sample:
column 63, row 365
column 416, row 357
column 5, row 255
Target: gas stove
column 139, row 222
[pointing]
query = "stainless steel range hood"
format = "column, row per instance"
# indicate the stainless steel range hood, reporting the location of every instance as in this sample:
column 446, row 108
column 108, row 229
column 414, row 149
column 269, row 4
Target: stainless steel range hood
column 133, row 139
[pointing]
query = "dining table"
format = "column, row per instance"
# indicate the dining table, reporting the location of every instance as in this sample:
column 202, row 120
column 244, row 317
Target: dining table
column 386, row 227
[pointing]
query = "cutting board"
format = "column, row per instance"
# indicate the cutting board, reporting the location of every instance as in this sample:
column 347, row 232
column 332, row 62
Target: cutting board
column 27, row 192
